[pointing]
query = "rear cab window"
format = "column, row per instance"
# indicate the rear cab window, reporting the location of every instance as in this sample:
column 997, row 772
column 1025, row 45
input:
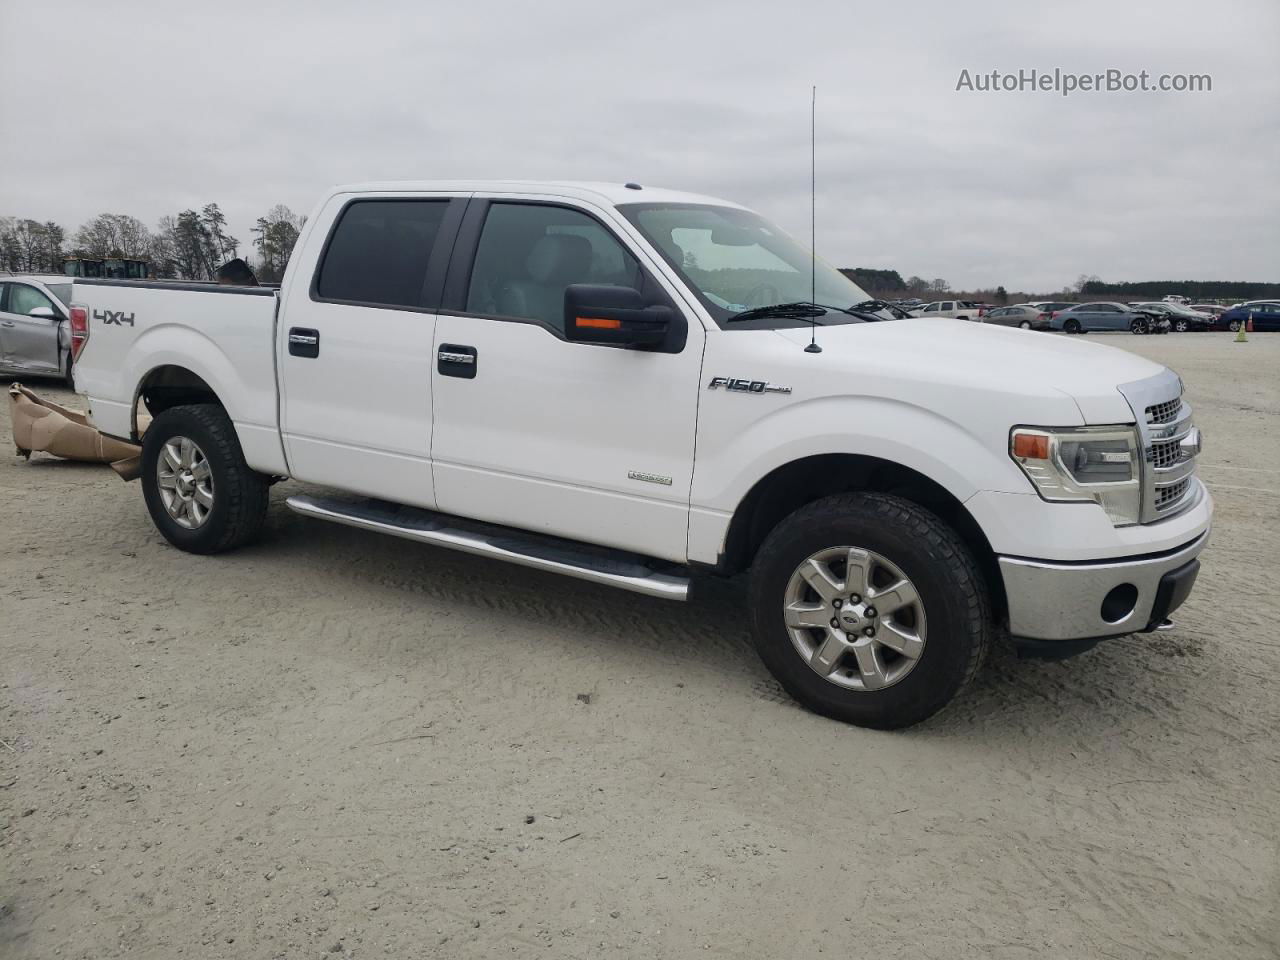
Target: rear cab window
column 378, row 252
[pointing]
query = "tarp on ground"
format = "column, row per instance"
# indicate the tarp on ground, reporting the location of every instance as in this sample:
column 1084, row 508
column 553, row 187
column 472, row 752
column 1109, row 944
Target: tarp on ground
column 41, row 425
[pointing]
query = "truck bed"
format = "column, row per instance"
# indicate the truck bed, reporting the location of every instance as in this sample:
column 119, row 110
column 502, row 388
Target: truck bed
column 143, row 331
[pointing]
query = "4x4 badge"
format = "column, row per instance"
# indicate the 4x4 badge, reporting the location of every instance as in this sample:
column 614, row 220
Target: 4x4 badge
column 745, row 386
column 113, row 316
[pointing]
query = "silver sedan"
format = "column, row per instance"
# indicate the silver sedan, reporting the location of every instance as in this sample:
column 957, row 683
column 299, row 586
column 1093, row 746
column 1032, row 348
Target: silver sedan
column 1021, row 315
column 35, row 338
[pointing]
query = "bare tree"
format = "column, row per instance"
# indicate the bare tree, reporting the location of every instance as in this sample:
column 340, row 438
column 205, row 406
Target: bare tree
column 113, row 235
column 275, row 236
column 223, row 245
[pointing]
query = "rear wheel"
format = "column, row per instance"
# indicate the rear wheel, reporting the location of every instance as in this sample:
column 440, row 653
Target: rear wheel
column 1071, row 326
column 200, row 492
column 869, row 609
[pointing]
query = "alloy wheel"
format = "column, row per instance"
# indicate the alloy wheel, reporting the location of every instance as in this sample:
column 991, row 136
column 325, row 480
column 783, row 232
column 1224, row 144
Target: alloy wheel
column 185, row 481
column 855, row 618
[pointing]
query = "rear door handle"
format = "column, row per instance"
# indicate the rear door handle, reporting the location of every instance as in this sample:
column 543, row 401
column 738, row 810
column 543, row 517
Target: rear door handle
column 304, row 342
column 457, row 360
column 7, row 323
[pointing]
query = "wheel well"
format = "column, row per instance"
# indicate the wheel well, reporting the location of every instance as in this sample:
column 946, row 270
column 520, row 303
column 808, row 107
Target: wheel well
column 171, row 386
column 790, row 487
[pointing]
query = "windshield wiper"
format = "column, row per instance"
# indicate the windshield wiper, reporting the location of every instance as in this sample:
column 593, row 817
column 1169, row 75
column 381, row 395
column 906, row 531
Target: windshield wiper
column 871, row 307
column 798, row 310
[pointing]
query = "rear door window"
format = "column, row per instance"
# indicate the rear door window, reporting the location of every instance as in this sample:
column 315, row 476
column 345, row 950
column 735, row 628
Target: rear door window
column 378, row 252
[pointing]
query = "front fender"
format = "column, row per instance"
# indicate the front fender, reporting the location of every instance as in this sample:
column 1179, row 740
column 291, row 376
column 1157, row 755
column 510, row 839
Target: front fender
column 942, row 449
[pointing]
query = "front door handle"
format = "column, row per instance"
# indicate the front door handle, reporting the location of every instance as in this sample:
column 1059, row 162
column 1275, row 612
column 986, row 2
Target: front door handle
column 456, row 360
column 7, row 323
column 304, row 342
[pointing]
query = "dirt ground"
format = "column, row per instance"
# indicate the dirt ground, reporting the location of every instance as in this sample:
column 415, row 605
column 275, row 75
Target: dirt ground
column 337, row 744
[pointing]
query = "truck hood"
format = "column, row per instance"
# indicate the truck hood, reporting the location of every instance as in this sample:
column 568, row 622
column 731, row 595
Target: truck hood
column 969, row 355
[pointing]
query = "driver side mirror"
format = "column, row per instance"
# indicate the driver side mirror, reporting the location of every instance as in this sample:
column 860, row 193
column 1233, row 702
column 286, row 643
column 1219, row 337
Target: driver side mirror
column 614, row 316
column 43, row 313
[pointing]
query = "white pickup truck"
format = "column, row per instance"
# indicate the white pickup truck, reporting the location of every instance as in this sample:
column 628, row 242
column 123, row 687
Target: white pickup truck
column 631, row 385
column 950, row 309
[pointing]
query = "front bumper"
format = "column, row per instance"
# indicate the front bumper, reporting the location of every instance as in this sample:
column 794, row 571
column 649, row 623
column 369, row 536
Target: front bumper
column 1075, row 604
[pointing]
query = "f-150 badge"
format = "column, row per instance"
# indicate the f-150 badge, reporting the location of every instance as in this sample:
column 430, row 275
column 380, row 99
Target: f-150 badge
column 745, row 386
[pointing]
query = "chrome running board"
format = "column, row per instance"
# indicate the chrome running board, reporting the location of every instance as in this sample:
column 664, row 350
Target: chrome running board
column 613, row 568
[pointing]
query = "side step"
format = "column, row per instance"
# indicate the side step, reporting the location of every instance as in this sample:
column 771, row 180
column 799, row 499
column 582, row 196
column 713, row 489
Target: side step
column 628, row 571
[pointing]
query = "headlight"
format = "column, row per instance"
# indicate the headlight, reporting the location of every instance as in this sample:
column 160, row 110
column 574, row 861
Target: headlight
column 1083, row 463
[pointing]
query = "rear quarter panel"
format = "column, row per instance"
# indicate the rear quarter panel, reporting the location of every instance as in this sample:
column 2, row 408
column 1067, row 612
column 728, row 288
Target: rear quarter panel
column 223, row 335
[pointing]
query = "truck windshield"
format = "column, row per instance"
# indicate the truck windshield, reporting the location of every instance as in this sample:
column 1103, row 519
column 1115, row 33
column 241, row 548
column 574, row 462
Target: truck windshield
column 735, row 260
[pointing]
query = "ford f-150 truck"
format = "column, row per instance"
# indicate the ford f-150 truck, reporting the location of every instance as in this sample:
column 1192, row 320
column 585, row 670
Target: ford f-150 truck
column 630, row 386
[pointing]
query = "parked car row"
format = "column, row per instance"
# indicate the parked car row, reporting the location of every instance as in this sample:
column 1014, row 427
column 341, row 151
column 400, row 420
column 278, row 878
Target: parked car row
column 1139, row 317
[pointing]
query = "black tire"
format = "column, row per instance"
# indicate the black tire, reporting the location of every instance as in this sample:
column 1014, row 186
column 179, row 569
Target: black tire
column 951, row 587
column 1138, row 327
column 240, row 494
column 1071, row 325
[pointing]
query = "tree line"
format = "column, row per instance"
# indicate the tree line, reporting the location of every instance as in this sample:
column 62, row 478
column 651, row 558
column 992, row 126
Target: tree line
column 189, row 245
column 1197, row 290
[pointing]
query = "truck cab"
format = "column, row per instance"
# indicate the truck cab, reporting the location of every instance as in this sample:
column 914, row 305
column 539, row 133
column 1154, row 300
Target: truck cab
column 638, row 387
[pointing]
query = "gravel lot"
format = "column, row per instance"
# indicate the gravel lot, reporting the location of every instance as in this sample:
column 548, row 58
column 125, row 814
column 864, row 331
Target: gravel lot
column 337, row 744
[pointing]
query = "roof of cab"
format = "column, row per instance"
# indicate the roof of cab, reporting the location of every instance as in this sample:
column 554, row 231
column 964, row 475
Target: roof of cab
column 611, row 194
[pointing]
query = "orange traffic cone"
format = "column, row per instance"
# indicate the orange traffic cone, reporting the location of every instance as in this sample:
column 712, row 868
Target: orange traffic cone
column 1249, row 323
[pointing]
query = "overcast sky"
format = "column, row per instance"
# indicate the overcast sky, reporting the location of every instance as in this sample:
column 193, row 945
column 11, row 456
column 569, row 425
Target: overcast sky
column 142, row 108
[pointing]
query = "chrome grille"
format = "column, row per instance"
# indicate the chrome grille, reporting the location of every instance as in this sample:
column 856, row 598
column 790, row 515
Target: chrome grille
column 1167, row 497
column 1169, row 445
column 1164, row 454
column 1164, row 412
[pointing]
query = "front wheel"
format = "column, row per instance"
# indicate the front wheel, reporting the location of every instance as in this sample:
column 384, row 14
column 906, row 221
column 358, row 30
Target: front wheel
column 200, row 492
column 1138, row 327
column 1182, row 326
column 869, row 609
column 1025, row 324
column 1234, row 326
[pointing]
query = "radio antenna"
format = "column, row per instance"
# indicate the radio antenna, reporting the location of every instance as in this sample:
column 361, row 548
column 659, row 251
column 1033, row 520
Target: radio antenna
column 813, row 218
